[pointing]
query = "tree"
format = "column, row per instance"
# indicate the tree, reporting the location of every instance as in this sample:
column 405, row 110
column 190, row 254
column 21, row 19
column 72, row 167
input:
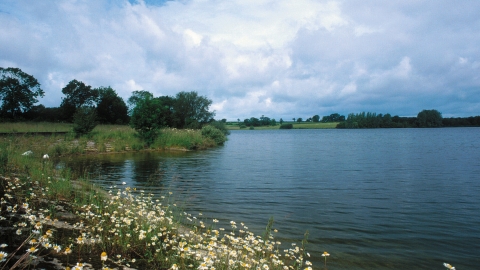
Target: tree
column 84, row 120
column 77, row 95
column 18, row 91
column 316, row 118
column 191, row 110
column 146, row 118
column 299, row 119
column 136, row 97
column 281, row 121
column 429, row 118
column 168, row 116
column 111, row 108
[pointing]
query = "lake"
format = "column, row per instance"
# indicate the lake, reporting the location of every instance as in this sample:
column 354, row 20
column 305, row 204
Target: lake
column 374, row 198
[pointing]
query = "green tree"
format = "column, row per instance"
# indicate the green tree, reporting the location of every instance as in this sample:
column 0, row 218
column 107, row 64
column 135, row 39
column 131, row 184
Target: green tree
column 77, row 94
column 18, row 91
column 146, row 118
column 84, row 120
column 136, row 97
column 168, row 116
column 111, row 108
column 281, row 121
column 316, row 118
column 192, row 110
column 429, row 118
column 299, row 119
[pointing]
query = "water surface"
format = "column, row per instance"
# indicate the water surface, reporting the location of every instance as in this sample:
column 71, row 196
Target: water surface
column 374, row 199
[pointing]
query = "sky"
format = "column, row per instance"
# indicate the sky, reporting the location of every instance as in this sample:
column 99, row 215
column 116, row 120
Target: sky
column 280, row 59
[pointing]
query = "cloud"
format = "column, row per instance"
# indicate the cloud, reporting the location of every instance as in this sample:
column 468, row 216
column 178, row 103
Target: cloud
column 276, row 58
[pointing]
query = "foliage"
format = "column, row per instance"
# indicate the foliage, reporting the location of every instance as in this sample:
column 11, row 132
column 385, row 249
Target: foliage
column 77, row 95
column 84, row 120
column 263, row 121
column 136, row 97
column 220, row 125
column 213, row 133
column 191, row 110
column 472, row 121
column 316, row 118
column 286, row 126
column 429, row 118
column 146, row 119
column 111, row 109
column 18, row 91
column 334, row 117
column 299, row 120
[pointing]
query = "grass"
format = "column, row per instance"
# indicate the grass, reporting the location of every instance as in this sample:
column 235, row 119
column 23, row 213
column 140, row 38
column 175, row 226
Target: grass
column 296, row 125
column 104, row 138
column 34, row 127
column 48, row 213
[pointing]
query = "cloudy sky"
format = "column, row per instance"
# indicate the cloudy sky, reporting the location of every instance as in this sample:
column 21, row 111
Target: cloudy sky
column 281, row 58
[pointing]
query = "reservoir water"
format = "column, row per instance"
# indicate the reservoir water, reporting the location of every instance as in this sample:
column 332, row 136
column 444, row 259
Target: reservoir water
column 374, row 199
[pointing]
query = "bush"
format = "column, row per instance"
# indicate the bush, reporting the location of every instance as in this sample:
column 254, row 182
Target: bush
column 220, row 125
column 214, row 133
column 286, row 126
column 84, row 120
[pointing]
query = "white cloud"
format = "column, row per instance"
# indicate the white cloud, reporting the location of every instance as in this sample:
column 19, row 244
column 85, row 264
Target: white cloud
column 277, row 58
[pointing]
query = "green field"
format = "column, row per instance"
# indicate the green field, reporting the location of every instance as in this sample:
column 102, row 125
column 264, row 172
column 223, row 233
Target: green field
column 296, row 125
column 34, row 127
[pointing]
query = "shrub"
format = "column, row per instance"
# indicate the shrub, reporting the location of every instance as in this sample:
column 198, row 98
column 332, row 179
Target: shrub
column 286, row 126
column 214, row 133
column 84, row 120
column 220, row 125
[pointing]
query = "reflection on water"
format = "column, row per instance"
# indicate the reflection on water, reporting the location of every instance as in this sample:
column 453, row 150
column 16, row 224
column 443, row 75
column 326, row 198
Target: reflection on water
column 374, row 199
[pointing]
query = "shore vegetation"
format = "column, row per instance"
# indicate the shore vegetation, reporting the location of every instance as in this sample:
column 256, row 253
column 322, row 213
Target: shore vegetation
column 51, row 218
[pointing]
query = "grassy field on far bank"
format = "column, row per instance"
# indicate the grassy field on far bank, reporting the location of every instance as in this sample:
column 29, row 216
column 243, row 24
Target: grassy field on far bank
column 296, row 125
column 21, row 127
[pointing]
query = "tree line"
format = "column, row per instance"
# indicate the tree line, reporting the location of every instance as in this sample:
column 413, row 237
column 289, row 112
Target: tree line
column 19, row 92
column 424, row 119
column 86, row 106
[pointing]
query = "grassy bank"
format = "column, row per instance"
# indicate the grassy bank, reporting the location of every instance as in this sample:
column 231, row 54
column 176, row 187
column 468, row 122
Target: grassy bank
column 296, row 125
column 104, row 138
column 50, row 217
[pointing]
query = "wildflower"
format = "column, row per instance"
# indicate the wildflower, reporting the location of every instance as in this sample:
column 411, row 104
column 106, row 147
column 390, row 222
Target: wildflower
column 79, row 266
column 80, row 240
column 447, row 265
column 57, row 248
column 38, row 225
column 325, row 254
column 19, row 232
column 33, row 241
column 31, row 250
column 68, row 251
column 3, row 256
column 174, row 267
column 103, row 256
column 3, row 245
